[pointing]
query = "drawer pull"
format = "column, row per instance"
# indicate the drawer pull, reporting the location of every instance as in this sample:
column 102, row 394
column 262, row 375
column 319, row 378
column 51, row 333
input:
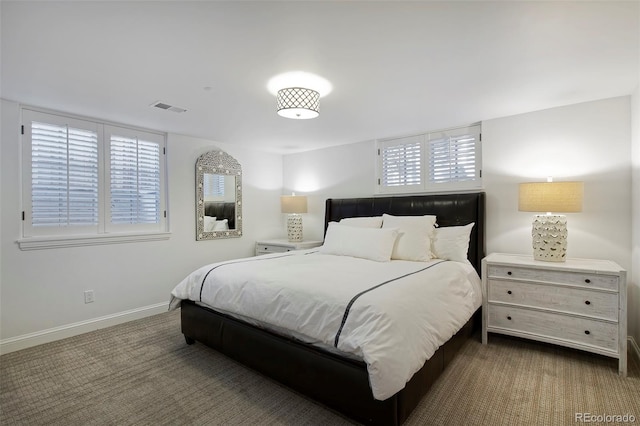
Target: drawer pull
column 587, row 280
column 587, row 302
column 509, row 318
column 587, row 332
column 508, row 291
column 509, row 273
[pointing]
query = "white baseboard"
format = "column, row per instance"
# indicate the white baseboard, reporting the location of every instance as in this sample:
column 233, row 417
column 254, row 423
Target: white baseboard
column 52, row 334
column 635, row 349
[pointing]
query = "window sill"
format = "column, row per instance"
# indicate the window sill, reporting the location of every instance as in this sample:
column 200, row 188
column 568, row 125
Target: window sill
column 38, row 243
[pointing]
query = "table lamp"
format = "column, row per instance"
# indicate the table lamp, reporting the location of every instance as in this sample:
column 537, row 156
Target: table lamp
column 549, row 230
column 294, row 205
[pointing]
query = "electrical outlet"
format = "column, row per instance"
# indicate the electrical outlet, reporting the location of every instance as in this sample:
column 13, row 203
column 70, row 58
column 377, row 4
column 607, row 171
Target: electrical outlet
column 88, row 296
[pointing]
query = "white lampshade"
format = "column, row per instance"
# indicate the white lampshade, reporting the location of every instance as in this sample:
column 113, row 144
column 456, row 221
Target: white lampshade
column 293, row 204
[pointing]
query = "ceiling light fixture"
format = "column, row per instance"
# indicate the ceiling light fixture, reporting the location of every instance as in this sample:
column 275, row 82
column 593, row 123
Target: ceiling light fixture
column 298, row 103
column 298, row 94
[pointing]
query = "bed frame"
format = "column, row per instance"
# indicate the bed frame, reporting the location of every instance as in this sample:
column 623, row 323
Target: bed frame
column 342, row 383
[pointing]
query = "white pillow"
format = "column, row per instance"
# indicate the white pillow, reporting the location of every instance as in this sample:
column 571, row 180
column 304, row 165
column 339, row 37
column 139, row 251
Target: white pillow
column 363, row 222
column 452, row 242
column 209, row 222
column 366, row 243
column 221, row 225
column 414, row 241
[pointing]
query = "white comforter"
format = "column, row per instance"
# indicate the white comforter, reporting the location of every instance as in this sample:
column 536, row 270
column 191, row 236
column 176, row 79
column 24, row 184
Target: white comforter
column 394, row 328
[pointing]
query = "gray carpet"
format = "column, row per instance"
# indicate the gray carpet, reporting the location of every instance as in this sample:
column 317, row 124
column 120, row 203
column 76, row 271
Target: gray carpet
column 143, row 373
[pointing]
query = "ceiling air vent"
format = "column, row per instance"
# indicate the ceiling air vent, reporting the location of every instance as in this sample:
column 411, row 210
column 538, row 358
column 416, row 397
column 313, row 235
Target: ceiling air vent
column 168, row 107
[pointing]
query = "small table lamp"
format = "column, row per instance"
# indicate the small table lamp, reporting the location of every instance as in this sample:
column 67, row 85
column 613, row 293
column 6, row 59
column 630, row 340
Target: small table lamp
column 549, row 231
column 294, row 205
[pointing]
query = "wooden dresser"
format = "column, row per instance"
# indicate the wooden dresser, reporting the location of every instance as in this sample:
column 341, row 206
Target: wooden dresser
column 580, row 303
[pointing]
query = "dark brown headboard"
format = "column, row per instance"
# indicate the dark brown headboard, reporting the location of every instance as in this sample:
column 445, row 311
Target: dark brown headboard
column 450, row 209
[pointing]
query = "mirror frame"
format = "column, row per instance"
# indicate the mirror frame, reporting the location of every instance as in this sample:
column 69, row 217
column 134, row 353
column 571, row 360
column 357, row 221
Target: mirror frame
column 217, row 163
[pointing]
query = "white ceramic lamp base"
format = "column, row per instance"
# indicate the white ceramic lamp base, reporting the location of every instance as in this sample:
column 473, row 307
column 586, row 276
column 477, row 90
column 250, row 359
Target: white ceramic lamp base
column 549, row 234
column 294, row 228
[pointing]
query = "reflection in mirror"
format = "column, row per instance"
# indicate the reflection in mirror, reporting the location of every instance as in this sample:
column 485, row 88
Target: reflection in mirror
column 219, row 202
column 219, row 196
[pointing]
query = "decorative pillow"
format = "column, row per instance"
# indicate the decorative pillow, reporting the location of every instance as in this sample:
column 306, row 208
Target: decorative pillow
column 366, row 243
column 209, row 223
column 221, row 225
column 452, row 242
column 414, row 241
column 363, row 222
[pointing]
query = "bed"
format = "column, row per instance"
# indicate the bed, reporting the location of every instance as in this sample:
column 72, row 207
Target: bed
column 339, row 380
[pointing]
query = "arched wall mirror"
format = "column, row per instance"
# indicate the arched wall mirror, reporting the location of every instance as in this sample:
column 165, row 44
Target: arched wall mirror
column 218, row 196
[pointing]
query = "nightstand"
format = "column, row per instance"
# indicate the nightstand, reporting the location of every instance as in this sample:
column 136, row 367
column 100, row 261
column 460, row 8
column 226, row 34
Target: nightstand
column 580, row 303
column 280, row 246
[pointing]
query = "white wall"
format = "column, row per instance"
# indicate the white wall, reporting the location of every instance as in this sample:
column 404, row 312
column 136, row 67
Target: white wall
column 339, row 172
column 634, row 288
column 589, row 142
column 634, row 293
column 41, row 291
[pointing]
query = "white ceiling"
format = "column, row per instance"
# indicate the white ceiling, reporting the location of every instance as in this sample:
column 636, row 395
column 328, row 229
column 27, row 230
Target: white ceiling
column 396, row 67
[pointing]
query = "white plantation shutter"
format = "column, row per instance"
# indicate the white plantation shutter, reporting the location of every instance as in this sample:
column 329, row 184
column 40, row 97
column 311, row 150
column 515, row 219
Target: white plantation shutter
column 453, row 156
column 135, row 170
column 64, row 176
column 85, row 178
column 443, row 160
column 135, row 181
column 61, row 174
column 148, row 182
column 401, row 162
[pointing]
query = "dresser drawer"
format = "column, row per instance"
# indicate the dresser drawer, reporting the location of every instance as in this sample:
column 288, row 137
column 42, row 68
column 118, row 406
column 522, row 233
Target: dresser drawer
column 270, row 248
column 570, row 329
column 596, row 304
column 584, row 279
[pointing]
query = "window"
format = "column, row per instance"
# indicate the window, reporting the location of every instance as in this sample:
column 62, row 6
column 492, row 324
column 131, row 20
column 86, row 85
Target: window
column 445, row 160
column 86, row 178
